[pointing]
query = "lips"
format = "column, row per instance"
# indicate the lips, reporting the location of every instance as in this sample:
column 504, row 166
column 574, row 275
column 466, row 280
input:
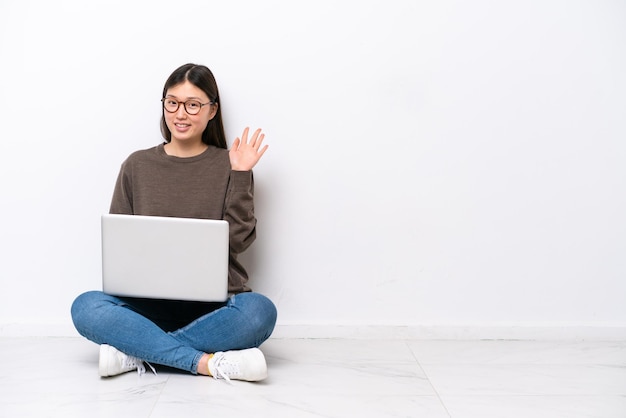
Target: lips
column 182, row 126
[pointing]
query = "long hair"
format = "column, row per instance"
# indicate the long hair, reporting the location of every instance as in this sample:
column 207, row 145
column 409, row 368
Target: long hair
column 201, row 77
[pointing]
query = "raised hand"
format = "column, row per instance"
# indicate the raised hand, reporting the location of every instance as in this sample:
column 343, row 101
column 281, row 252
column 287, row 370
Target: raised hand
column 243, row 154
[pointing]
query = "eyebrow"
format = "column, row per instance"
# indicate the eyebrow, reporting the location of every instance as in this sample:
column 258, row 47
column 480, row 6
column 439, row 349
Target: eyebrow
column 188, row 98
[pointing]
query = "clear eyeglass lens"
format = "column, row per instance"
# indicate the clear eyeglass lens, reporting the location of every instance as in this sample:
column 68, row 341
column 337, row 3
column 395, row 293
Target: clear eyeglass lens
column 170, row 105
column 192, row 107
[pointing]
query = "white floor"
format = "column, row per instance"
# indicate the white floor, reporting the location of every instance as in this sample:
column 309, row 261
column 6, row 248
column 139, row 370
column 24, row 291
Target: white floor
column 57, row 377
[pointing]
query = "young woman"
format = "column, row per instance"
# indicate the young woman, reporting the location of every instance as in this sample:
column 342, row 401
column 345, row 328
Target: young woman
column 190, row 175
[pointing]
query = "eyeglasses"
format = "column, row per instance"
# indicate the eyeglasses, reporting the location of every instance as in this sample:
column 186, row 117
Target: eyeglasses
column 193, row 107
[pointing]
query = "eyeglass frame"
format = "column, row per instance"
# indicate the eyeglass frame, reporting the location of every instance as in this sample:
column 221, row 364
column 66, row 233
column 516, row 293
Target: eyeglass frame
column 178, row 103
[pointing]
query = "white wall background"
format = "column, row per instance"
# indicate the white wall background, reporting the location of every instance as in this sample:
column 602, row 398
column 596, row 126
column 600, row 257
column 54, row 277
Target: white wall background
column 431, row 163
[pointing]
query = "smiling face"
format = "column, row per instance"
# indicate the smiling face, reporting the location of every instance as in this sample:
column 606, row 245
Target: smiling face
column 185, row 128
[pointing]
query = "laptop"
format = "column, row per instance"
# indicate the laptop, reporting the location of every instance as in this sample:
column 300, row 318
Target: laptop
column 165, row 258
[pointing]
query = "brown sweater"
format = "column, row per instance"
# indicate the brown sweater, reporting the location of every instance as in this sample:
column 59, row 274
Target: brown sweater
column 153, row 183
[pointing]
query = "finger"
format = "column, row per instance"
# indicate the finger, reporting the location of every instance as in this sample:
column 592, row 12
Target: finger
column 236, row 143
column 244, row 136
column 262, row 151
column 258, row 142
column 255, row 136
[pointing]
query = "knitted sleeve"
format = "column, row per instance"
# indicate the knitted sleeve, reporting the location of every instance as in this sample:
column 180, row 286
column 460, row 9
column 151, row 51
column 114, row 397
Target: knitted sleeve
column 239, row 210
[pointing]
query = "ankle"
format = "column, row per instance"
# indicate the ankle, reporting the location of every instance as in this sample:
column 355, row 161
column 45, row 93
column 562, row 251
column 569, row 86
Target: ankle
column 203, row 365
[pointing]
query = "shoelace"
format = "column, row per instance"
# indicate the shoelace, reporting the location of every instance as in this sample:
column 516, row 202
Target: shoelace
column 134, row 362
column 223, row 368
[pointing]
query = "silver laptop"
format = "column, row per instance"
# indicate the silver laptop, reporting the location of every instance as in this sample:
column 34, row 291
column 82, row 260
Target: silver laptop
column 165, row 258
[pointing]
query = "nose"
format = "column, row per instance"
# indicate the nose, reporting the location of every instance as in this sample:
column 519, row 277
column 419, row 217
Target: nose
column 180, row 112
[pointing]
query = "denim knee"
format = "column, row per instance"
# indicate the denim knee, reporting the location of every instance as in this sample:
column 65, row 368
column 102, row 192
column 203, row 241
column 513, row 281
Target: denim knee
column 260, row 312
column 84, row 311
column 79, row 307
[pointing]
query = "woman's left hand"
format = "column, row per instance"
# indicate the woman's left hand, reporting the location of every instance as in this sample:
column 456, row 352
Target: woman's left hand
column 243, row 154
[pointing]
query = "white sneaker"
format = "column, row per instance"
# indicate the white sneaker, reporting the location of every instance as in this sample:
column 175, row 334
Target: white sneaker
column 238, row 364
column 114, row 362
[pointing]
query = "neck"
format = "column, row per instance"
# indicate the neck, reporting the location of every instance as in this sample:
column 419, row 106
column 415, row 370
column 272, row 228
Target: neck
column 183, row 149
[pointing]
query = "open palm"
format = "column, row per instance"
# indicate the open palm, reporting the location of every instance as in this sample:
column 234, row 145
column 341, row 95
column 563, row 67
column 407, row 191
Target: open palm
column 243, row 154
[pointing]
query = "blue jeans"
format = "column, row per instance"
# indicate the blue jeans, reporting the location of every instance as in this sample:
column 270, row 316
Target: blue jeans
column 174, row 333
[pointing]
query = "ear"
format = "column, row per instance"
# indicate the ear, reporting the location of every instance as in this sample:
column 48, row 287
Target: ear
column 213, row 111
